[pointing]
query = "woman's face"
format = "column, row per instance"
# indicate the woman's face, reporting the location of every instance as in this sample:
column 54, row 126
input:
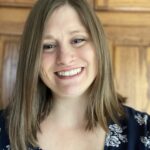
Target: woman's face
column 68, row 64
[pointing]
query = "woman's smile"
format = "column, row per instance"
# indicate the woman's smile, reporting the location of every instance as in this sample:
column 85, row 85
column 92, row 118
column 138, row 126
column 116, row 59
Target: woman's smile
column 69, row 74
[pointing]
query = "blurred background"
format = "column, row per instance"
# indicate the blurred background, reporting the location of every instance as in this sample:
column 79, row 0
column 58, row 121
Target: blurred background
column 127, row 26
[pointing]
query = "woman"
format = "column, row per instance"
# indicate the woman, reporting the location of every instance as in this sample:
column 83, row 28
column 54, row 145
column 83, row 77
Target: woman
column 64, row 97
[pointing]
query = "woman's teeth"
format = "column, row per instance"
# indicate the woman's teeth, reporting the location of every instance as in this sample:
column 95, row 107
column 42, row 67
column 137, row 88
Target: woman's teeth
column 69, row 72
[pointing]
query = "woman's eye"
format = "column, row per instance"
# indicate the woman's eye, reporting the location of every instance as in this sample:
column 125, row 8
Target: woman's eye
column 49, row 47
column 78, row 41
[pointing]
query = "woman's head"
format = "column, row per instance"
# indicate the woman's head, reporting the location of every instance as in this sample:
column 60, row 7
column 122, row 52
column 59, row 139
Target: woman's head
column 40, row 71
column 68, row 64
column 37, row 22
column 32, row 52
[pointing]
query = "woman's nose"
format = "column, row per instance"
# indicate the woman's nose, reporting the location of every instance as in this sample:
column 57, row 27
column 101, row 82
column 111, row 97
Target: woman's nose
column 65, row 56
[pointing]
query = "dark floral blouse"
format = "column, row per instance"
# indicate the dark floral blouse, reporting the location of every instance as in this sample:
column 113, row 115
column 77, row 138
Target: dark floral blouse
column 133, row 133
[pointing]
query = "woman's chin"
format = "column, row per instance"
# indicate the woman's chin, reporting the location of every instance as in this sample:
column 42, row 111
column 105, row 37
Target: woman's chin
column 71, row 94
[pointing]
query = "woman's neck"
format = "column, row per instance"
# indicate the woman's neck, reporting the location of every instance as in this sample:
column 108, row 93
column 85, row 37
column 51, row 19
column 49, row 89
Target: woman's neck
column 69, row 112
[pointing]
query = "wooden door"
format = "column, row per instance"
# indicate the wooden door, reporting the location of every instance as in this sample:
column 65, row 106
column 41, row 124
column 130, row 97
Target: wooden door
column 13, row 14
column 127, row 25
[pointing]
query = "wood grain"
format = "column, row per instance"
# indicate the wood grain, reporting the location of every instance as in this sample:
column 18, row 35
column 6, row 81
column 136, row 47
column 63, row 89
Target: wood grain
column 128, row 33
column 9, row 59
column 17, row 3
column 132, row 72
column 123, row 5
column 124, row 18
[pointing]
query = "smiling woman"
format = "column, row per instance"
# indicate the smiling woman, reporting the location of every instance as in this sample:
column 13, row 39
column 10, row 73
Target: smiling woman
column 68, row 64
column 64, row 97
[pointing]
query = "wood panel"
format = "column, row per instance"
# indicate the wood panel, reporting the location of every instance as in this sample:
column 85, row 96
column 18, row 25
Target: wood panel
column 129, row 3
column 127, row 26
column 124, row 18
column 128, row 35
column 100, row 3
column 132, row 71
column 9, row 59
column 130, row 49
column 17, row 3
column 13, row 14
column 123, row 5
column 12, row 20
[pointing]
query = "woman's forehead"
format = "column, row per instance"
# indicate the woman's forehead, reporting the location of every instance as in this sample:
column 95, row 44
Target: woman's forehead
column 64, row 18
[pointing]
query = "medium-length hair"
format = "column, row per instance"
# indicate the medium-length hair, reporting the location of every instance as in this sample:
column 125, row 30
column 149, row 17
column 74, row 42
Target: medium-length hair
column 31, row 101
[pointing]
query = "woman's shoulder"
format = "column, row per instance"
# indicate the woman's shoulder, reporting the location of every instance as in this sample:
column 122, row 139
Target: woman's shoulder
column 133, row 131
column 4, row 140
column 136, row 117
column 2, row 119
column 132, row 111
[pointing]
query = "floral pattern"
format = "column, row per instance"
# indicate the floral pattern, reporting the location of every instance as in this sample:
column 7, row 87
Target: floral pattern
column 7, row 147
column 146, row 141
column 115, row 136
column 141, row 120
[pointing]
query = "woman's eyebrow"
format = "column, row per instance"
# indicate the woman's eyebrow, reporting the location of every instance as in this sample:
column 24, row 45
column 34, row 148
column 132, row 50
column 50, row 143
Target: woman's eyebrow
column 48, row 36
column 77, row 31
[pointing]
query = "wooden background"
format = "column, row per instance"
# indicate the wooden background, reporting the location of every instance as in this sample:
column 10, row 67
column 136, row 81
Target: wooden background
column 127, row 26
